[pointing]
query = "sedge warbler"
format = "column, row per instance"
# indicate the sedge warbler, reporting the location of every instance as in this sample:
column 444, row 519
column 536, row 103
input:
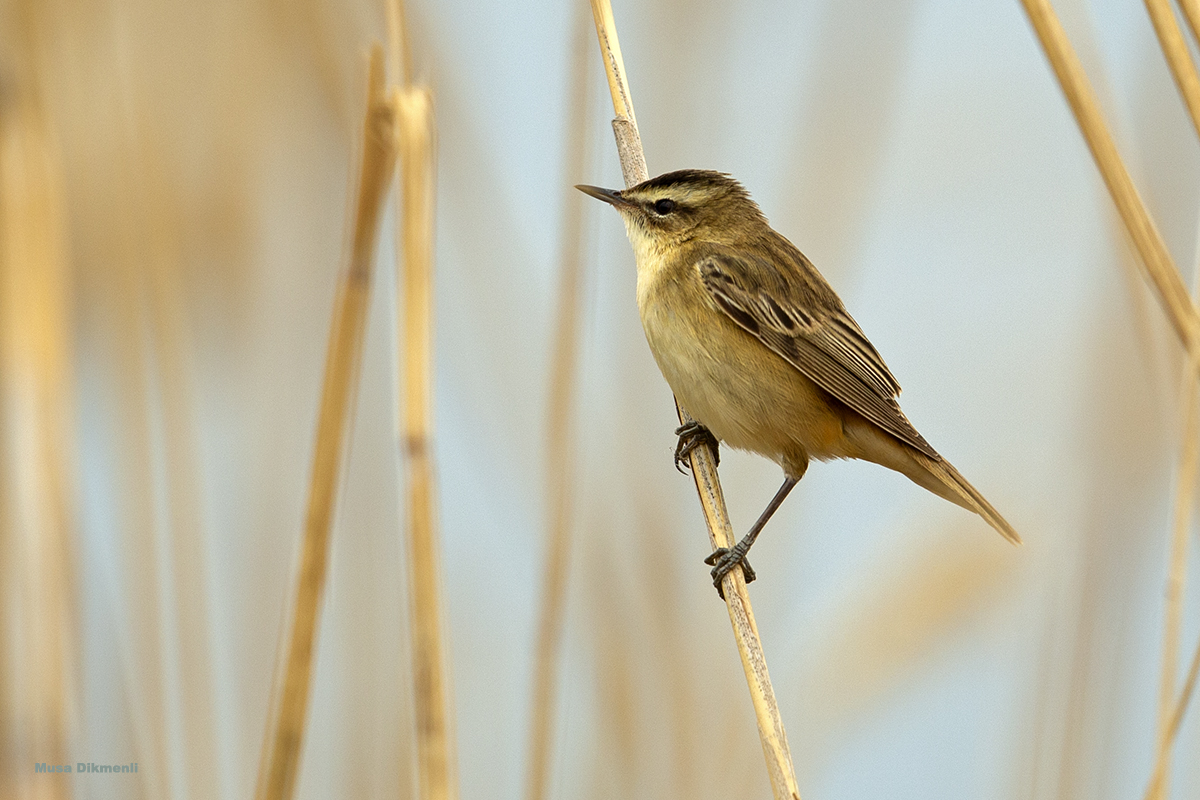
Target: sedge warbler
column 759, row 349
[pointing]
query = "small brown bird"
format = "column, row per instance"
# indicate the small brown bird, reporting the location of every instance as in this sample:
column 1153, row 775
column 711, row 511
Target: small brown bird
column 759, row 349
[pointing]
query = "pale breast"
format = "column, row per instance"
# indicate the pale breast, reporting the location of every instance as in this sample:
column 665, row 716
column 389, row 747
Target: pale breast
column 748, row 396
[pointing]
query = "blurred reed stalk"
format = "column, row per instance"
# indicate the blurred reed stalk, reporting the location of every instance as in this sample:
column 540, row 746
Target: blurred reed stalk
column 770, row 725
column 435, row 739
column 560, row 444
column 37, row 604
column 1166, row 279
column 899, row 610
column 282, row 744
column 1157, row 785
column 399, row 53
column 1185, row 486
column 1189, row 462
column 1183, row 69
column 1175, row 50
column 180, row 564
column 1170, row 708
column 1155, row 259
column 1191, row 12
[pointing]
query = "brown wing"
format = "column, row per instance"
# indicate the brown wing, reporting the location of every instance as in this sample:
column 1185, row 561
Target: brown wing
column 818, row 338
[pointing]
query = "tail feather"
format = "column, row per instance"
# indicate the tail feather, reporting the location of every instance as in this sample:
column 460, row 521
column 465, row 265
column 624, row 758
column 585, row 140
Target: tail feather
column 935, row 474
column 950, row 484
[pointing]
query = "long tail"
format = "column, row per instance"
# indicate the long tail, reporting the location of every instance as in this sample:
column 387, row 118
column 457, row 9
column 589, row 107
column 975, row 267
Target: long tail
column 935, row 474
column 947, row 482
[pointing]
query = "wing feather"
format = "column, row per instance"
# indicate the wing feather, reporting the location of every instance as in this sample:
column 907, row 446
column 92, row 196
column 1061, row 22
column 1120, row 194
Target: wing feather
column 821, row 340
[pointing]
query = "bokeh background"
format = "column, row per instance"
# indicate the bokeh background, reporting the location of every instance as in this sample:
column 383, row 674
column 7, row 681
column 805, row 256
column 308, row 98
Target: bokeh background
column 174, row 188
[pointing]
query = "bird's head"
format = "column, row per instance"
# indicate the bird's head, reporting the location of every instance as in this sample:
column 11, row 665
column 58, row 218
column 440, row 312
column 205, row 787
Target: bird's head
column 682, row 205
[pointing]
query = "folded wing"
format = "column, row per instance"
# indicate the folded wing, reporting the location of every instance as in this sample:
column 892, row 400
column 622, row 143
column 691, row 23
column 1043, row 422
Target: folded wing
column 820, row 340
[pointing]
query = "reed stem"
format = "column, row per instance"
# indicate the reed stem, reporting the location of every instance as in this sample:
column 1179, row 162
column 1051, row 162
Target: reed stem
column 1175, row 50
column 435, row 740
column 708, row 485
column 1155, row 259
column 560, row 444
column 1179, row 708
column 1183, row 69
column 1191, row 12
column 1185, row 489
column 1164, row 276
column 39, row 620
column 1189, row 462
column 284, row 738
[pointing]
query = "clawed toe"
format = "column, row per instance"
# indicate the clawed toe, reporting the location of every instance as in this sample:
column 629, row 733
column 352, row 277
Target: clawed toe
column 692, row 435
column 723, row 560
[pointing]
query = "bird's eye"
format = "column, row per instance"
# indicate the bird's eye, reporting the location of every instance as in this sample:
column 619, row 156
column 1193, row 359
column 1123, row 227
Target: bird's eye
column 664, row 206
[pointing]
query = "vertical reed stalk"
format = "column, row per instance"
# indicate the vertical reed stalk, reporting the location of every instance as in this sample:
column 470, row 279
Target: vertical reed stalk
column 435, row 739
column 770, row 725
column 284, row 738
column 560, row 444
column 1157, row 780
column 185, row 628
column 414, row 282
column 399, row 52
column 1175, row 49
column 1156, row 262
column 1164, row 276
column 1185, row 486
column 37, row 604
column 144, row 603
column 1189, row 461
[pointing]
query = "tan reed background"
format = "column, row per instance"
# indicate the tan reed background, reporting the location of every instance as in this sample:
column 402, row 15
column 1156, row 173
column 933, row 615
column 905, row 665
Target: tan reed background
column 176, row 181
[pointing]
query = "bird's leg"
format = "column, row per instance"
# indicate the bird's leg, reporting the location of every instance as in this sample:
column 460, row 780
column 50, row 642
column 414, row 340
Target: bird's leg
column 724, row 559
column 692, row 436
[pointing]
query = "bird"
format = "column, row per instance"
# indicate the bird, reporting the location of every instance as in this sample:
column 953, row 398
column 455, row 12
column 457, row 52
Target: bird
column 760, row 350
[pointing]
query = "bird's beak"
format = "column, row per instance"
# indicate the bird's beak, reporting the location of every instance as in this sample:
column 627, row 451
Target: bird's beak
column 610, row 196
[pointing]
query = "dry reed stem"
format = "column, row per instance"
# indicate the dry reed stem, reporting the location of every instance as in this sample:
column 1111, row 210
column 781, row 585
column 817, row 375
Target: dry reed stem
column 1191, row 12
column 37, row 603
column 399, row 52
column 435, row 739
column 1189, row 462
column 1185, row 484
column 282, row 744
column 143, row 636
column 741, row 615
column 414, row 281
column 1158, row 779
column 1156, row 260
column 1175, row 49
column 560, row 444
column 185, row 626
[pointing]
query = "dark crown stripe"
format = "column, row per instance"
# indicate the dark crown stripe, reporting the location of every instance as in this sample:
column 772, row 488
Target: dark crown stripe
column 703, row 177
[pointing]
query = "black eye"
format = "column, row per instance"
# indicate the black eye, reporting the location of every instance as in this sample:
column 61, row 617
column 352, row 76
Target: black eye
column 664, row 206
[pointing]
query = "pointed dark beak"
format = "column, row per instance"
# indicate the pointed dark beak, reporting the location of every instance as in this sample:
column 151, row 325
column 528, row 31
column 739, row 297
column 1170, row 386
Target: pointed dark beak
column 610, row 196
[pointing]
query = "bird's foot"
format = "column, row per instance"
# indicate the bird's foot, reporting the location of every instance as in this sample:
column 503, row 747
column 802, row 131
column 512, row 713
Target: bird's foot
column 723, row 560
column 691, row 436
